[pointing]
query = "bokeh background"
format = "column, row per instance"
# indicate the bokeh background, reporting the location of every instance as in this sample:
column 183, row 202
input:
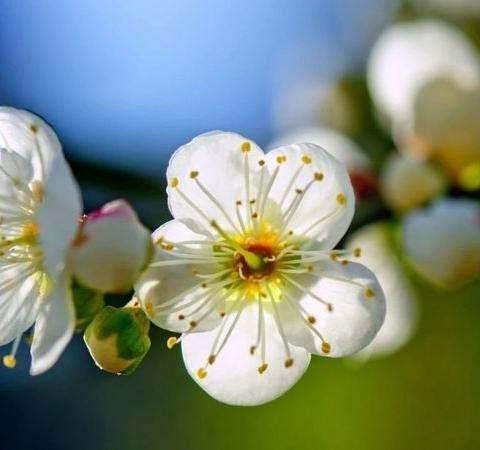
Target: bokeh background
column 124, row 84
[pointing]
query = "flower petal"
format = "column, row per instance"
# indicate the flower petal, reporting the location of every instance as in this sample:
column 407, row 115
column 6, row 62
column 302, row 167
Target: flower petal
column 443, row 241
column 160, row 289
column 54, row 327
column 401, row 317
column 358, row 309
column 111, row 250
column 327, row 205
column 234, row 377
column 216, row 162
column 58, row 214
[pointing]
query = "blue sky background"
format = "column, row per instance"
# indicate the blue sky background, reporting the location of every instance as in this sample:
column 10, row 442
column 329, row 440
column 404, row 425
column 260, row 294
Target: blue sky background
column 126, row 82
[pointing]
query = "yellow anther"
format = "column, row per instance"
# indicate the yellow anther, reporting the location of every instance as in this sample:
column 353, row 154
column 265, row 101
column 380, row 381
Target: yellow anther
column 180, row 317
column 369, row 293
column 329, row 307
column 344, row 262
column 310, row 268
column 150, row 309
column 9, row 361
column 222, row 314
column 289, row 362
column 174, row 182
column 33, row 128
column 171, row 342
column 252, row 349
column 326, row 347
column 201, row 373
column 341, row 199
column 32, row 229
column 333, row 255
column 262, row 368
column 357, row 252
column 211, row 359
column 246, row 147
column 311, row 319
column 194, row 174
column 193, row 324
column 167, row 247
column 204, row 285
column 252, row 201
column 239, row 202
column 306, row 159
column 281, row 159
column 261, row 163
column 195, row 272
column 254, row 215
column 299, row 191
column 318, row 176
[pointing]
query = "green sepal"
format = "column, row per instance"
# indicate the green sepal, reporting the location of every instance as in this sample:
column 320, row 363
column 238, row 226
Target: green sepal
column 87, row 304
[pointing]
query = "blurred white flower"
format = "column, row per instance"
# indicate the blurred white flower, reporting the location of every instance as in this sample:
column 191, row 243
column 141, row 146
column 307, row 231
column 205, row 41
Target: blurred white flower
column 447, row 128
column 355, row 160
column 443, row 241
column 111, row 249
column 39, row 208
column 246, row 271
column 407, row 56
column 400, row 321
column 407, row 182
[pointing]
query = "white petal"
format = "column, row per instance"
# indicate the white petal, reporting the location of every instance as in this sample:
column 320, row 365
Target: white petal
column 18, row 308
column 29, row 135
column 234, row 378
column 58, row 214
column 159, row 285
column 401, row 317
column 355, row 318
column 219, row 161
column 443, row 241
column 112, row 249
column 54, row 327
column 408, row 55
column 338, row 145
column 320, row 211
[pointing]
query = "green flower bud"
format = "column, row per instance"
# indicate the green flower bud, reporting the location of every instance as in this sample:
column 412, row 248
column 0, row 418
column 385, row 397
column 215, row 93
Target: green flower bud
column 87, row 304
column 117, row 339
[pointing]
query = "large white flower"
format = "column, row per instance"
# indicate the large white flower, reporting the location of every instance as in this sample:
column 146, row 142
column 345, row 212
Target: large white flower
column 246, row 272
column 39, row 209
column 443, row 241
column 378, row 255
column 409, row 55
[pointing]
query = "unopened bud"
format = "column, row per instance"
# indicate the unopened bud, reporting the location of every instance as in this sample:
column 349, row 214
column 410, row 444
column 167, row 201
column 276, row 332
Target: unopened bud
column 407, row 182
column 117, row 339
column 87, row 304
column 112, row 249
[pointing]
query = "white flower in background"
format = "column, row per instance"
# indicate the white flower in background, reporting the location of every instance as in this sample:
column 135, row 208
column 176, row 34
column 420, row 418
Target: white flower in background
column 111, row 249
column 447, row 129
column 346, row 151
column 443, row 241
column 407, row 56
column 407, row 182
column 375, row 240
column 246, row 271
column 39, row 208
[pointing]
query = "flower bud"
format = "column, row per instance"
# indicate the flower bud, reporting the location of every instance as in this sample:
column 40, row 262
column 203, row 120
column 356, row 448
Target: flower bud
column 442, row 242
column 407, row 182
column 87, row 304
column 117, row 339
column 111, row 249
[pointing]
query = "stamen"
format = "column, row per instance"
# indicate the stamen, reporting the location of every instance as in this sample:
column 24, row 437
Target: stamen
column 213, row 199
column 278, row 322
column 306, row 291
